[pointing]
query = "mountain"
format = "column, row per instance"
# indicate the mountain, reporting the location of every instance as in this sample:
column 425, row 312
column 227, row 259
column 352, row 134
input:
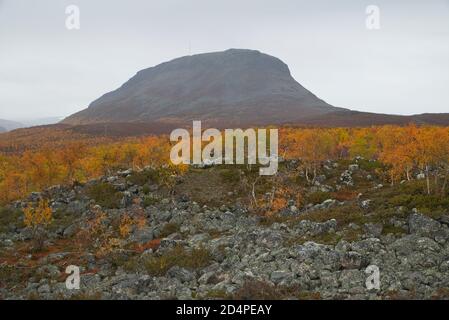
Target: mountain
column 2, row 129
column 8, row 125
column 234, row 87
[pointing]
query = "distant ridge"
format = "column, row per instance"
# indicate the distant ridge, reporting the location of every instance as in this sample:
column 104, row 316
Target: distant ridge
column 8, row 125
column 350, row 118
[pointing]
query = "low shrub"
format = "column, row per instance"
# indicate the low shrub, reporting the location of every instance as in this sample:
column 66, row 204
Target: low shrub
column 169, row 229
column 368, row 165
column 150, row 201
column 146, row 189
column 344, row 195
column 317, row 197
column 147, row 176
column 343, row 214
column 257, row 290
column 389, row 228
column 38, row 217
column 178, row 256
column 218, row 295
column 160, row 176
column 230, row 175
column 10, row 216
column 268, row 220
column 62, row 219
column 261, row 290
column 422, row 202
column 105, row 195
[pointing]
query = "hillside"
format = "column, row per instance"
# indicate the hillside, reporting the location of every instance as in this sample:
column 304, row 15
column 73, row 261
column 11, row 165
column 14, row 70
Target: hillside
column 230, row 88
column 343, row 199
column 141, row 235
column 350, row 118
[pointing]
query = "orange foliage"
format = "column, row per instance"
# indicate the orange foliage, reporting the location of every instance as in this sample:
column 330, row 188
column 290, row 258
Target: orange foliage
column 58, row 156
column 401, row 149
column 38, row 168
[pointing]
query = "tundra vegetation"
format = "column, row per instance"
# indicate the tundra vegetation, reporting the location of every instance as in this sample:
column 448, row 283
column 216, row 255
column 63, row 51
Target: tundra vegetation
column 141, row 227
column 398, row 152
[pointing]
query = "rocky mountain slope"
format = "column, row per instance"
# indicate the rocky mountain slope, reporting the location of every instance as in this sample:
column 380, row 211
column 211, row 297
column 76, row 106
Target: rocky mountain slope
column 234, row 87
column 179, row 248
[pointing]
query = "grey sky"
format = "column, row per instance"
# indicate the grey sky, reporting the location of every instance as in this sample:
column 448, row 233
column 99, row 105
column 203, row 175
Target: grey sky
column 403, row 68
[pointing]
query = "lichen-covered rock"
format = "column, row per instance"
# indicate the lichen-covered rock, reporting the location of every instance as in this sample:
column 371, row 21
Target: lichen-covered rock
column 187, row 251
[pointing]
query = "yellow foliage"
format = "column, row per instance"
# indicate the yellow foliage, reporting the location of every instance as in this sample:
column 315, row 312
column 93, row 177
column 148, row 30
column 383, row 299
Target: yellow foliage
column 57, row 157
column 38, row 216
column 125, row 226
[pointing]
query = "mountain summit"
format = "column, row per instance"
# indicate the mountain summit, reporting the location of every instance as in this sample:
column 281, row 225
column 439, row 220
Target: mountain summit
column 235, row 87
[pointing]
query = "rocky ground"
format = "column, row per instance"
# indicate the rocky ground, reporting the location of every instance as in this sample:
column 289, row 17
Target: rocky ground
column 172, row 247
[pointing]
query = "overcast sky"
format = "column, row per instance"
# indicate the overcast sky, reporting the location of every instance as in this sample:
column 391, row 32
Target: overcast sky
column 402, row 68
